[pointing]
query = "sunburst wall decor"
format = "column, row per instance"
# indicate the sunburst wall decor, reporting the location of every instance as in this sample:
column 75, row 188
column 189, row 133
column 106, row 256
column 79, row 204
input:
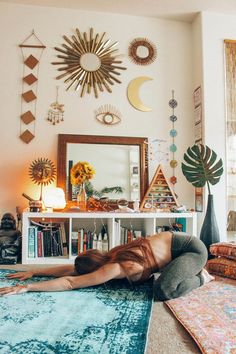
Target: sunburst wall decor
column 88, row 63
column 142, row 51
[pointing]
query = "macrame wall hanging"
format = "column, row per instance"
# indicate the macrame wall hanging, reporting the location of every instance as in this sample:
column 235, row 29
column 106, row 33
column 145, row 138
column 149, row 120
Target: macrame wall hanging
column 31, row 50
column 173, row 133
column 56, row 111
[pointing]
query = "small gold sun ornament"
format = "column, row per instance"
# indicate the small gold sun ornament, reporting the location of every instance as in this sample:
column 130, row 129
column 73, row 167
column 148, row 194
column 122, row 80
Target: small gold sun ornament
column 88, row 63
column 42, row 172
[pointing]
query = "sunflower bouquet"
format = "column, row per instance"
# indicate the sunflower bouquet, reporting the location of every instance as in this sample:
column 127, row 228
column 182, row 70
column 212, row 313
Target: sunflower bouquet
column 81, row 172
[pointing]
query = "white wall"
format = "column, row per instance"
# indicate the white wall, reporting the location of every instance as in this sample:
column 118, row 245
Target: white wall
column 216, row 28
column 171, row 70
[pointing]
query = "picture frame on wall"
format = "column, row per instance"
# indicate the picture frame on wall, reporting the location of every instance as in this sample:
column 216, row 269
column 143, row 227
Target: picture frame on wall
column 199, row 199
column 197, row 96
column 198, row 127
column 198, row 139
column 197, row 114
column 198, row 133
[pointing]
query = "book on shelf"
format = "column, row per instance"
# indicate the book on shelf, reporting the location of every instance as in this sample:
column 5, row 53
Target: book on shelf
column 85, row 241
column 47, row 239
column 32, row 237
column 40, row 249
column 74, row 243
column 80, row 240
column 63, row 238
column 117, row 233
column 126, row 235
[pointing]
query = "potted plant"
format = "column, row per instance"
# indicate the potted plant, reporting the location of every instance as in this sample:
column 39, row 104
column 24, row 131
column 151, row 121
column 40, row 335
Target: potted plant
column 201, row 167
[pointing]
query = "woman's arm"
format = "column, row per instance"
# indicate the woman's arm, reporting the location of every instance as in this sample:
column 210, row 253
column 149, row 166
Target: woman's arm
column 102, row 275
column 57, row 271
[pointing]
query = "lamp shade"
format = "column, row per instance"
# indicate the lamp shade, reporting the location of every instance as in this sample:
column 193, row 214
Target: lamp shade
column 55, row 198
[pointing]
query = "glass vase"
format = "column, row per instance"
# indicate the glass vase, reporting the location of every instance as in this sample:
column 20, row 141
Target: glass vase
column 82, row 198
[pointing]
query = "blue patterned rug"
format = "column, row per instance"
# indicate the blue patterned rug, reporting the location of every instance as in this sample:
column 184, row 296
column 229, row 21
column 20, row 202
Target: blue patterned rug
column 107, row 319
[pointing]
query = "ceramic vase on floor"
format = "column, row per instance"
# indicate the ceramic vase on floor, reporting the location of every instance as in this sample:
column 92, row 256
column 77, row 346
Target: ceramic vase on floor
column 210, row 232
column 82, row 198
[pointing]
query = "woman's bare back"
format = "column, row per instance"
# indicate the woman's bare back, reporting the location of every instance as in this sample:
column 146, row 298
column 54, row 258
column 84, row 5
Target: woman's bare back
column 160, row 256
column 161, row 248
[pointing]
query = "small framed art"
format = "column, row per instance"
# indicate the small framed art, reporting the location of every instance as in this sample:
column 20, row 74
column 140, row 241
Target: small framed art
column 197, row 96
column 198, row 127
column 199, row 199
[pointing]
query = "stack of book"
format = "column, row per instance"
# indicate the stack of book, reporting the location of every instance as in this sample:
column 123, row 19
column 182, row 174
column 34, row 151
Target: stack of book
column 47, row 240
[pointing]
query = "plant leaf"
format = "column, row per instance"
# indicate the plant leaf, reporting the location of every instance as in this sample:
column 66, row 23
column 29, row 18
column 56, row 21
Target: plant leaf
column 201, row 166
column 193, row 153
column 190, row 161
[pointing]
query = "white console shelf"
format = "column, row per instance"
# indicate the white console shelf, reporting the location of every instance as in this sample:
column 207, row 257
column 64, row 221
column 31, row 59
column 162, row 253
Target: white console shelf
column 147, row 223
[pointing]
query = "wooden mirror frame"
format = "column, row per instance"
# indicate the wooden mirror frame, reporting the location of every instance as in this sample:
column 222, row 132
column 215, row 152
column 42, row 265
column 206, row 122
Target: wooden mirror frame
column 64, row 139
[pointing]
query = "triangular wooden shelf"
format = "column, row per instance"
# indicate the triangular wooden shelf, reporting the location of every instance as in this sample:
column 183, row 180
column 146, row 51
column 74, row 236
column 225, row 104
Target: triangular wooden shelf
column 159, row 196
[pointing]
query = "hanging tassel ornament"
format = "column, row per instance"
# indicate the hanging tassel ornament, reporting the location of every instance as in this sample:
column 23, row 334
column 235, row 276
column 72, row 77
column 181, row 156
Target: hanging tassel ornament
column 56, row 111
column 173, row 132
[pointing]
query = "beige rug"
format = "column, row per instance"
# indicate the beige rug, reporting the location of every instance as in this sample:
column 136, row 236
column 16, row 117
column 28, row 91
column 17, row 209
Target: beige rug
column 167, row 335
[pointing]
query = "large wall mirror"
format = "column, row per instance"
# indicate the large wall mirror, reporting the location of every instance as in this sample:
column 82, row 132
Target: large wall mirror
column 118, row 161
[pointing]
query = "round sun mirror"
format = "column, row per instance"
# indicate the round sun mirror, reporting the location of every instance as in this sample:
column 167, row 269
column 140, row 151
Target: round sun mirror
column 90, row 62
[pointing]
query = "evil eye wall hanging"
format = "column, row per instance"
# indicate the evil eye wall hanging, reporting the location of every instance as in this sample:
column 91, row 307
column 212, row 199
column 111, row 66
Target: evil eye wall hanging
column 108, row 115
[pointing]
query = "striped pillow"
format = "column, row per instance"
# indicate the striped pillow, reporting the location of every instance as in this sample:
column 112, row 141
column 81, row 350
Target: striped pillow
column 224, row 249
column 223, row 267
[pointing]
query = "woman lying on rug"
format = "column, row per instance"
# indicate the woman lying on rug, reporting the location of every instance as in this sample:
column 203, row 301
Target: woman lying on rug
column 179, row 258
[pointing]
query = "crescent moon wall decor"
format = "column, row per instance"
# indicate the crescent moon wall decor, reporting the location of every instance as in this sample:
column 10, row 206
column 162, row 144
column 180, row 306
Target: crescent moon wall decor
column 133, row 93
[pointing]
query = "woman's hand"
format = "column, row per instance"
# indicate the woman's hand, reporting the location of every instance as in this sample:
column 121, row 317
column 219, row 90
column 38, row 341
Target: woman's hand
column 13, row 290
column 21, row 275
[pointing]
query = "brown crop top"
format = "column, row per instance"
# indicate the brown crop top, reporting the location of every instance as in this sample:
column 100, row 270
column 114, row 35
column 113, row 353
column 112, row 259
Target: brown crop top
column 150, row 265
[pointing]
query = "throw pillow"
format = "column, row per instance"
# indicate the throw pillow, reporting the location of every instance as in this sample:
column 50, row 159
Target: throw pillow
column 223, row 267
column 224, row 249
